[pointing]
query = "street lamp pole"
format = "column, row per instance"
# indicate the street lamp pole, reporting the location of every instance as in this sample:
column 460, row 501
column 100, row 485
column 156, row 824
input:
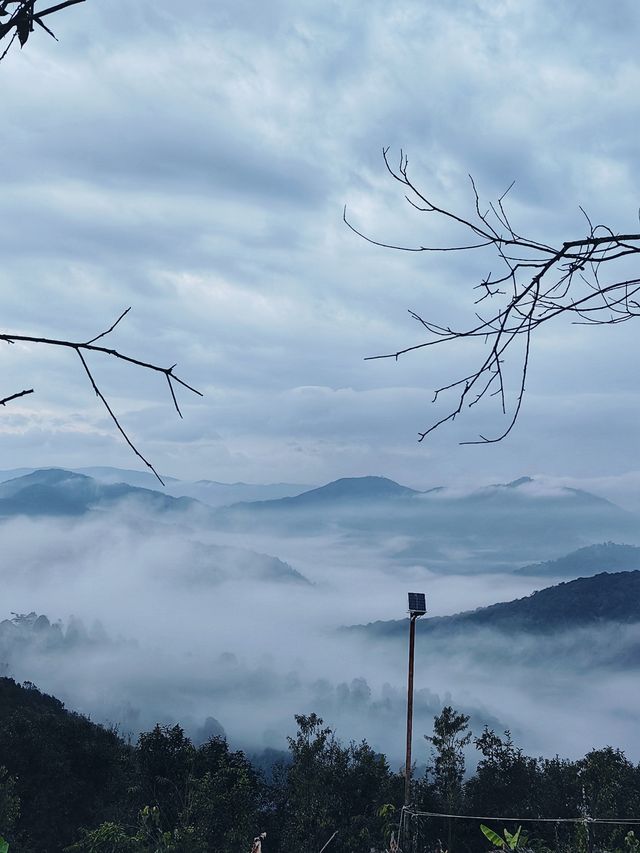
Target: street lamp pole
column 417, row 608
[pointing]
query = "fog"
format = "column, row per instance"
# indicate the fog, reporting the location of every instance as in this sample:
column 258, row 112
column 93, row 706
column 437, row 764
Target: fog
column 174, row 620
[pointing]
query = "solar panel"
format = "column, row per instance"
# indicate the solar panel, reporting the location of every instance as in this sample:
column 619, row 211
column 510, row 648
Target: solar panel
column 417, row 603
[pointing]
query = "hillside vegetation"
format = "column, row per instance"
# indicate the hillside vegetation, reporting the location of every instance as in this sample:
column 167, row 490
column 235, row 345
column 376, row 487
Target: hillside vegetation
column 67, row 784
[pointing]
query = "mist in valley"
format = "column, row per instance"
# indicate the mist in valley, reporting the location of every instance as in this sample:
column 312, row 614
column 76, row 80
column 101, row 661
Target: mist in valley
column 188, row 616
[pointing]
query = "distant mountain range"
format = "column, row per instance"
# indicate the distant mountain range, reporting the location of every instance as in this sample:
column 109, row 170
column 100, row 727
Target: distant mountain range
column 54, row 491
column 207, row 491
column 496, row 528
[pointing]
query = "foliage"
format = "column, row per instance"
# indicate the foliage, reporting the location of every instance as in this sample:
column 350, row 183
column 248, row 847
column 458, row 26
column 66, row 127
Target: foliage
column 330, row 787
column 9, row 804
column 68, row 771
column 71, row 785
column 449, row 739
column 509, row 842
column 19, row 17
column 149, row 838
column 504, row 775
column 632, row 842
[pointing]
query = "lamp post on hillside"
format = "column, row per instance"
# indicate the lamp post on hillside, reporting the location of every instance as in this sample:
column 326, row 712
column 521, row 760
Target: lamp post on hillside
column 417, row 608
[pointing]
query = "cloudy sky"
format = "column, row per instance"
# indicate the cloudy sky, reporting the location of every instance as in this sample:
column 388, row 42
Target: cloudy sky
column 193, row 160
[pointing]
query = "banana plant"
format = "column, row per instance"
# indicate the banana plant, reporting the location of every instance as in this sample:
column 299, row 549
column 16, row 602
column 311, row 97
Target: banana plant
column 515, row 841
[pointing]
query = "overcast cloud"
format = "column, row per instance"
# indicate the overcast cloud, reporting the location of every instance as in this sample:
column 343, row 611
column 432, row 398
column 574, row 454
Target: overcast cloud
column 193, row 162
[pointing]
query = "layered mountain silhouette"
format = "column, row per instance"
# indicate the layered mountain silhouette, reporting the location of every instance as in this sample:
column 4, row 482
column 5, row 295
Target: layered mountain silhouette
column 490, row 529
column 55, row 491
column 493, row 528
column 208, row 492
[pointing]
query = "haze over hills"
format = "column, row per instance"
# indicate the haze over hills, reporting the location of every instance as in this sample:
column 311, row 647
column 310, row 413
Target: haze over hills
column 54, row 491
column 491, row 528
column 583, row 602
column 590, row 560
column 231, row 612
column 207, row 491
column 558, row 633
column 488, row 529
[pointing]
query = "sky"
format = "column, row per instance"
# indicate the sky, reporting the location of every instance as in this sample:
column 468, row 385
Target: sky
column 192, row 161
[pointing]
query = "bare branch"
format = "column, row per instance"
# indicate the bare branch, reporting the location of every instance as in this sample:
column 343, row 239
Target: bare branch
column 111, row 327
column 114, row 418
column 82, row 347
column 15, row 396
column 546, row 281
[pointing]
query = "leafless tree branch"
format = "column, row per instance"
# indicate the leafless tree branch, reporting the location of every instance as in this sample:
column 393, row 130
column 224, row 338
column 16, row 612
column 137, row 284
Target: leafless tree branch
column 89, row 346
column 542, row 281
column 15, row 396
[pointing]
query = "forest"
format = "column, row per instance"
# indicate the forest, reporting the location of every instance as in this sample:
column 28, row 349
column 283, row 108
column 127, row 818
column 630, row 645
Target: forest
column 68, row 784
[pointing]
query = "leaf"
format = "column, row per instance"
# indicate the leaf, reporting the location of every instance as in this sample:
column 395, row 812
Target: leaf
column 23, row 28
column 513, row 840
column 4, row 846
column 493, row 837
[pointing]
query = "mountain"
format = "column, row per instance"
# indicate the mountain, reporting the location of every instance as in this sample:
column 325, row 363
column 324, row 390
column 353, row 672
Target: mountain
column 488, row 529
column 208, row 492
column 587, row 561
column 361, row 490
column 142, row 479
column 55, row 491
column 585, row 602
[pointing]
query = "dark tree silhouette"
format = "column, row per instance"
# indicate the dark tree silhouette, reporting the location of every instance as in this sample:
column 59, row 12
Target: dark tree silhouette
column 20, row 17
column 536, row 282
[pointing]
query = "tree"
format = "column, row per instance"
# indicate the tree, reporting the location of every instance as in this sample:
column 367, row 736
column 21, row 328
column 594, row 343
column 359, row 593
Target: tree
column 332, row 788
column 67, row 771
column 536, row 283
column 312, row 800
column 609, row 788
column 449, row 739
column 224, row 803
column 9, row 805
column 21, row 17
column 165, row 758
column 506, row 781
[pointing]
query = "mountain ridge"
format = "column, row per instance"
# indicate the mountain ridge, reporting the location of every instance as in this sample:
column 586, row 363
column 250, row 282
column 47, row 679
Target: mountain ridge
column 608, row 597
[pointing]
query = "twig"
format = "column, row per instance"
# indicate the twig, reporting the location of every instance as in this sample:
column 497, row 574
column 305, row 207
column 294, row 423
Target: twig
column 543, row 284
column 15, row 396
column 89, row 346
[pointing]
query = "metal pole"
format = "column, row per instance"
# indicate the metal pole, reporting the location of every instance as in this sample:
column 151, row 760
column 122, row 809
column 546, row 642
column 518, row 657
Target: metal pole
column 407, row 766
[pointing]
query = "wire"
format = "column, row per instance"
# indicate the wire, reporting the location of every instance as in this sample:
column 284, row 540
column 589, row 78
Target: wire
column 599, row 820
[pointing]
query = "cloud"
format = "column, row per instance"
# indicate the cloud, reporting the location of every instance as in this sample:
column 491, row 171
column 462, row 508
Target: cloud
column 195, row 166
